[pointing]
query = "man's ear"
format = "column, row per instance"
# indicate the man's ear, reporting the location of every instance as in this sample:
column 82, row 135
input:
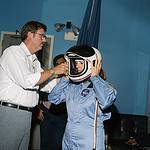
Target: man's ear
column 30, row 34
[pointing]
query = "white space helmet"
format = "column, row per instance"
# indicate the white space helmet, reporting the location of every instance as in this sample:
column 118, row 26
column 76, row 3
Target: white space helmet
column 85, row 55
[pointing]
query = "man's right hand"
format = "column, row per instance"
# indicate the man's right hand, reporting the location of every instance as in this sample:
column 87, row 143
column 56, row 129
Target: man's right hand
column 61, row 69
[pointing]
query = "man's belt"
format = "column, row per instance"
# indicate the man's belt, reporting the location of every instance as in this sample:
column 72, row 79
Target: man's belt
column 2, row 103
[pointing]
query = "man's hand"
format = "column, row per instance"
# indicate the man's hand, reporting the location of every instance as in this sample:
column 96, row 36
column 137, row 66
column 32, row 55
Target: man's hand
column 40, row 115
column 61, row 69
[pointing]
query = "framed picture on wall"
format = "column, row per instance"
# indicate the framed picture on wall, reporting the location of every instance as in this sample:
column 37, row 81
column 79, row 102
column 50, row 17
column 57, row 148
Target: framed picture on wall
column 45, row 55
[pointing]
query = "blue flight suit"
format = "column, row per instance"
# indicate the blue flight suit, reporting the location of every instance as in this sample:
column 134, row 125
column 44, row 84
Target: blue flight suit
column 80, row 100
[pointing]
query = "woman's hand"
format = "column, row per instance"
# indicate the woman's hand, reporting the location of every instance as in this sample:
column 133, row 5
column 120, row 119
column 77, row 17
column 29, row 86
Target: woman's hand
column 96, row 68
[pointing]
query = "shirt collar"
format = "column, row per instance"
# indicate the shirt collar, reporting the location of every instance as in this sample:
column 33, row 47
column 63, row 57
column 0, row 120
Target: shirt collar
column 27, row 52
column 86, row 83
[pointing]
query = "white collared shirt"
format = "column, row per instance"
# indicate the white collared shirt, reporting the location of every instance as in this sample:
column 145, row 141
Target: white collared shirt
column 19, row 73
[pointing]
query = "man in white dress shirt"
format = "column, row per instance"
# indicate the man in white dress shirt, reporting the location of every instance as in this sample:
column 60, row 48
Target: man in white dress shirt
column 20, row 77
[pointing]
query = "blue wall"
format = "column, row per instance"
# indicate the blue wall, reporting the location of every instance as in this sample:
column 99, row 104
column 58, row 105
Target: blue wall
column 124, row 40
column 125, row 43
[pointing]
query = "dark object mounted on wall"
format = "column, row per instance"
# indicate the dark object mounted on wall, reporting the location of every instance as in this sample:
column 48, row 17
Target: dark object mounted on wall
column 60, row 26
column 68, row 25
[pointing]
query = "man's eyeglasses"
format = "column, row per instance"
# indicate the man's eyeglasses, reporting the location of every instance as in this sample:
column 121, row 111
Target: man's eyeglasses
column 43, row 36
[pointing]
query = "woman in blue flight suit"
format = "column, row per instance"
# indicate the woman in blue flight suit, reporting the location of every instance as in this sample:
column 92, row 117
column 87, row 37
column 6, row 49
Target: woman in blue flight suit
column 87, row 95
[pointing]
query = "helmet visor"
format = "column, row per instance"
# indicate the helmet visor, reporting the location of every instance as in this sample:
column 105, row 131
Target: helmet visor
column 77, row 66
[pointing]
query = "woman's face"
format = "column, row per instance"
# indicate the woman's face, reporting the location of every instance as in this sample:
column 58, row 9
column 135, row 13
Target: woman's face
column 79, row 65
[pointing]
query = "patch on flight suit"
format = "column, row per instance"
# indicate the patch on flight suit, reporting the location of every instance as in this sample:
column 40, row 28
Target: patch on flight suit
column 85, row 92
